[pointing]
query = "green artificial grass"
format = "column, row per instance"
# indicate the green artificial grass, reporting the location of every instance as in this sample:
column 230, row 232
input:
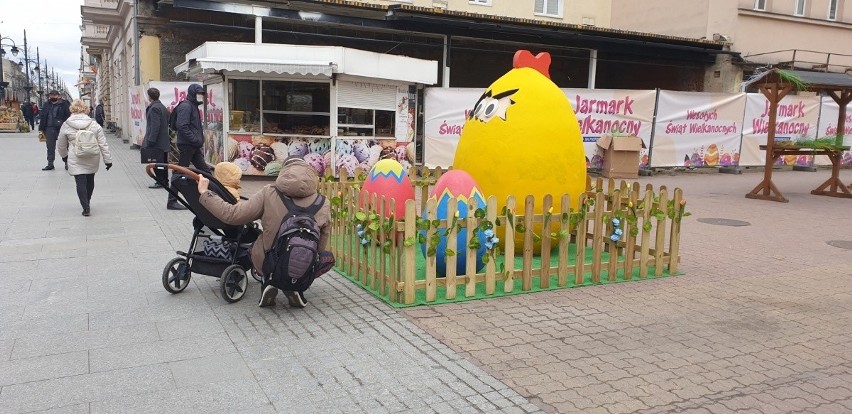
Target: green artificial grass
column 420, row 268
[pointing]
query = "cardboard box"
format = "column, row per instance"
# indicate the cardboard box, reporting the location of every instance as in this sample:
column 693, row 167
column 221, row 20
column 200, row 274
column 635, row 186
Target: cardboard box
column 620, row 156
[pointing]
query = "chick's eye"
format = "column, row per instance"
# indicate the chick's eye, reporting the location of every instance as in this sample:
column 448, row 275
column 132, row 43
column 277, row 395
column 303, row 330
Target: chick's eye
column 491, row 108
column 478, row 109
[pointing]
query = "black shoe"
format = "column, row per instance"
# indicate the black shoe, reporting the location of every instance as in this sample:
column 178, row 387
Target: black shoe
column 174, row 205
column 86, row 212
column 302, row 296
column 66, row 166
column 48, row 168
column 295, row 299
column 155, row 185
column 267, row 296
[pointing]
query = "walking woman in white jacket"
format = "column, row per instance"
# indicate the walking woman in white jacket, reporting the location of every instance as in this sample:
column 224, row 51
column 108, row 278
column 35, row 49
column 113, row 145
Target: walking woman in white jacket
column 79, row 162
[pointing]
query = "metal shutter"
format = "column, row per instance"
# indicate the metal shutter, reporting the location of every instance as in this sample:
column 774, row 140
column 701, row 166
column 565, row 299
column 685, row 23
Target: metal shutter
column 366, row 95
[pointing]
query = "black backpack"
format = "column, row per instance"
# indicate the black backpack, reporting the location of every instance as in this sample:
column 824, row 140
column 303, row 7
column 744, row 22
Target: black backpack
column 295, row 252
column 173, row 118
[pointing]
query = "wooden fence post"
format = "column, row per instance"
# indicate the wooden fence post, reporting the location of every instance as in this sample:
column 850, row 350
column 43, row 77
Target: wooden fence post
column 674, row 238
column 491, row 266
column 431, row 265
column 581, row 239
column 529, row 215
column 452, row 244
column 544, row 272
column 410, row 269
column 612, row 263
column 597, row 239
column 660, row 245
column 564, row 237
column 509, row 254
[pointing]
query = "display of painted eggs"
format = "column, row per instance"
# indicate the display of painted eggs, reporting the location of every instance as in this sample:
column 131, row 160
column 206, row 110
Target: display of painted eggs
column 273, row 168
column 246, row 149
column 387, row 178
column 243, row 163
column 297, row 148
column 281, row 151
column 522, row 138
column 315, row 160
column 456, row 186
column 320, row 145
column 361, row 151
column 261, row 155
column 347, row 162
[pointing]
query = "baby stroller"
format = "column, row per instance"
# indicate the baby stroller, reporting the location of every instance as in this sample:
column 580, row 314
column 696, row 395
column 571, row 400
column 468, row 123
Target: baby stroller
column 217, row 249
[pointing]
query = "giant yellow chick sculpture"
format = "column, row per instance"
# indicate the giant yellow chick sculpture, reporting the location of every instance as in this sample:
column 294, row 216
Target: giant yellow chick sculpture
column 522, row 138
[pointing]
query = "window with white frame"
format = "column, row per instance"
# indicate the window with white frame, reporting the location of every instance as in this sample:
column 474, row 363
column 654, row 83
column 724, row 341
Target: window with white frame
column 832, row 9
column 800, row 8
column 552, row 8
column 760, row 5
column 480, row 2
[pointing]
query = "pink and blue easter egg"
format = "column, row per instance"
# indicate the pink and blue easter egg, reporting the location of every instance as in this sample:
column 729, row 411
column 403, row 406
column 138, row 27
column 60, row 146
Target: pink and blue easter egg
column 457, row 186
column 387, row 178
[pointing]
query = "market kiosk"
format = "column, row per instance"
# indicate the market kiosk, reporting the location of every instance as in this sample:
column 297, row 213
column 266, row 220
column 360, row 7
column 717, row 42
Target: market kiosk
column 335, row 107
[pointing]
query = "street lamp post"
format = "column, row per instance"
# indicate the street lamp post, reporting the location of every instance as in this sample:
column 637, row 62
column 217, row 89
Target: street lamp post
column 14, row 50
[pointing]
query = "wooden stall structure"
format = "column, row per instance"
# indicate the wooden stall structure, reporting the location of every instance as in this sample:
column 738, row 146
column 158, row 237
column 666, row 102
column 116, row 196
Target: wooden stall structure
column 775, row 84
column 559, row 248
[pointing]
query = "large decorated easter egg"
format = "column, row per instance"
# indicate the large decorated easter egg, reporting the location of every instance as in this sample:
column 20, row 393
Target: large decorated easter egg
column 522, row 138
column 457, row 187
column 387, row 178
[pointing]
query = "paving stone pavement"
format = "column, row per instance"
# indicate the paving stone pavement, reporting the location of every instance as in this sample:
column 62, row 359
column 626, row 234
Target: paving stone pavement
column 86, row 326
column 761, row 321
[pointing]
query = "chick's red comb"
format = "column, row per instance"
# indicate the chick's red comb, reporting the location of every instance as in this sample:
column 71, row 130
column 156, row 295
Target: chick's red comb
column 539, row 62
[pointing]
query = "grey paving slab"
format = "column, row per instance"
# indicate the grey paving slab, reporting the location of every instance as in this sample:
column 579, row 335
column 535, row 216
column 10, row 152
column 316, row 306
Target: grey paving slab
column 61, row 392
column 6, row 346
column 190, row 349
column 68, row 409
column 40, row 368
column 210, row 369
column 50, row 344
column 226, row 396
column 44, row 326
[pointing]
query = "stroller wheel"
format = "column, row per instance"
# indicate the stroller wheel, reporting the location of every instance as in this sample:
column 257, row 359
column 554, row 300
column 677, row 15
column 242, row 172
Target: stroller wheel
column 176, row 275
column 256, row 276
column 234, row 283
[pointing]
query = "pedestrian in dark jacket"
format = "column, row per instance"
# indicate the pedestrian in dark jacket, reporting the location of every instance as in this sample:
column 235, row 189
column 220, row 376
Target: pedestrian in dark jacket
column 157, row 132
column 56, row 110
column 99, row 113
column 27, row 109
column 190, row 137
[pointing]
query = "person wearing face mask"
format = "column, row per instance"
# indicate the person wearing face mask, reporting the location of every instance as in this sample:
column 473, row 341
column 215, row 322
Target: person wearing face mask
column 56, row 110
column 190, row 136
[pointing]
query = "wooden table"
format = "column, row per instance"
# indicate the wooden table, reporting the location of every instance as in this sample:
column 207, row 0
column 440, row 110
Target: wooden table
column 832, row 187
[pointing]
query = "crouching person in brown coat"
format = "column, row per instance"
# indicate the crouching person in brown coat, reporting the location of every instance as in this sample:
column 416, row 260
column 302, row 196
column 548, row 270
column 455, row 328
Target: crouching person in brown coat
column 298, row 181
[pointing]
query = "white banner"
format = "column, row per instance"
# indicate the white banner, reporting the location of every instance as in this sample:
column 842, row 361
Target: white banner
column 612, row 112
column 695, row 129
column 138, row 102
column 598, row 111
column 828, row 127
column 445, row 111
column 797, row 118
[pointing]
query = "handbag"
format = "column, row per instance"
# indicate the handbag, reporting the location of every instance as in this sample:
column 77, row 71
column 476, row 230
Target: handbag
column 41, row 137
column 150, row 155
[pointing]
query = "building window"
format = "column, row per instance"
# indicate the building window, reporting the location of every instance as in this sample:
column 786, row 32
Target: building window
column 800, row 8
column 760, row 5
column 551, row 8
column 481, row 2
column 832, row 10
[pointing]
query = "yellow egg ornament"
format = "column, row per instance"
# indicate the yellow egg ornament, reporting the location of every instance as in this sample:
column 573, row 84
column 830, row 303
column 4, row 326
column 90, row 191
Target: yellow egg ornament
column 522, row 138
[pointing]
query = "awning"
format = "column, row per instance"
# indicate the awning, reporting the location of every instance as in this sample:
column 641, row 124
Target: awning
column 315, row 61
column 216, row 65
